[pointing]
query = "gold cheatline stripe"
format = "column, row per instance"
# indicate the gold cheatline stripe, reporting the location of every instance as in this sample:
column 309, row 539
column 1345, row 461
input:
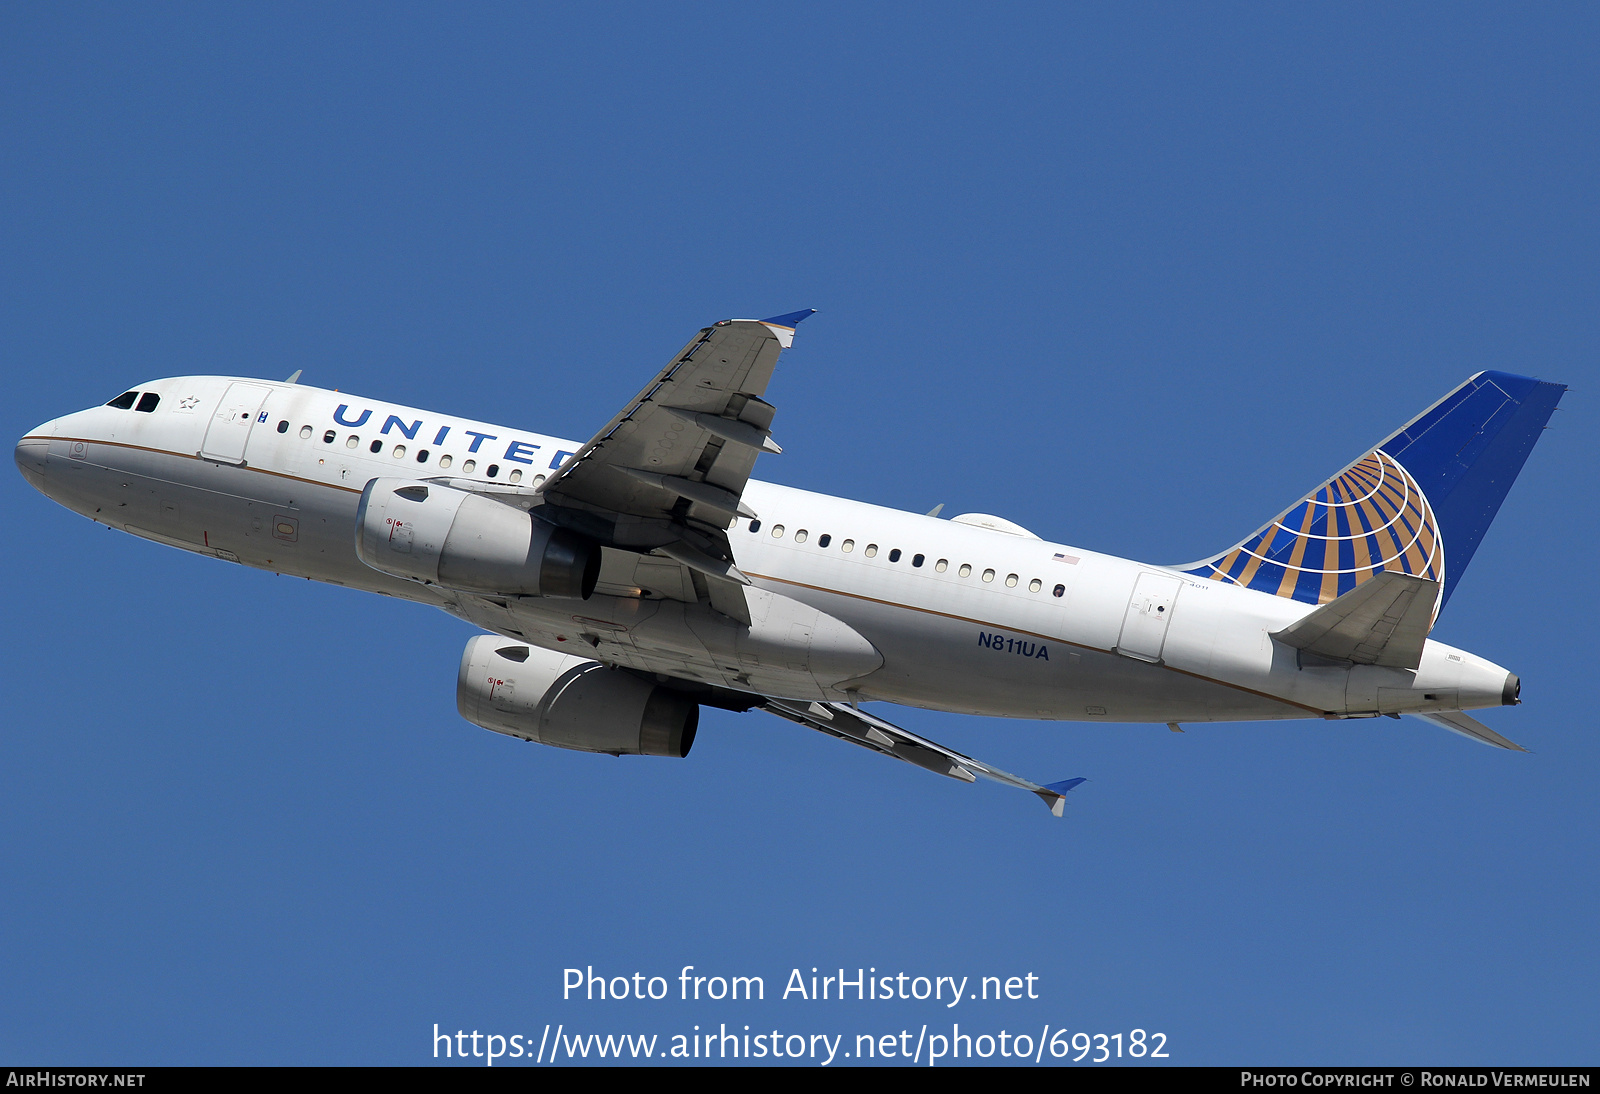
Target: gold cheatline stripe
column 1330, row 546
column 1035, row 634
column 1387, row 503
column 198, row 459
column 1257, row 553
column 768, row 577
column 1291, row 575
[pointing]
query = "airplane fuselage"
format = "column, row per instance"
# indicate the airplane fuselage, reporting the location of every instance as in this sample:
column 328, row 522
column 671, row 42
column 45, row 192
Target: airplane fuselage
column 850, row 601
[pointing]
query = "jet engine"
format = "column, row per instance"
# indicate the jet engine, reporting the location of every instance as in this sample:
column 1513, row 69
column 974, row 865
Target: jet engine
column 570, row 702
column 443, row 536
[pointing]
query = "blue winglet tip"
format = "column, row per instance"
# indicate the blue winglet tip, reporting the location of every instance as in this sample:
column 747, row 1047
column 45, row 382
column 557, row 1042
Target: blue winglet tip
column 792, row 319
column 1065, row 785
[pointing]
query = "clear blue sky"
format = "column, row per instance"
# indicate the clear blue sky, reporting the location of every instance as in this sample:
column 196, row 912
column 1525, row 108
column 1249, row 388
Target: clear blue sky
column 1133, row 276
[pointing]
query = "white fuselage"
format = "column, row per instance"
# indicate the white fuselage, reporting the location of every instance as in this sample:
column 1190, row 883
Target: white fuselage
column 987, row 622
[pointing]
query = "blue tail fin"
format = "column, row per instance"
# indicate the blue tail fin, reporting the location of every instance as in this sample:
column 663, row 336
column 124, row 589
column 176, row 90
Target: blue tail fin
column 1419, row 502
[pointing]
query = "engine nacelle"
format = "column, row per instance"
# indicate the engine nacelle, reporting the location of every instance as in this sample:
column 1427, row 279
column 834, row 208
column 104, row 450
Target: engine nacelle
column 444, row 536
column 570, row 702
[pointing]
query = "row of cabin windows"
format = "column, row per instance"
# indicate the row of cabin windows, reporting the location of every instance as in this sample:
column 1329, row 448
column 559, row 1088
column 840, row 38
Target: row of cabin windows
column 146, row 403
column 943, row 564
column 398, row 451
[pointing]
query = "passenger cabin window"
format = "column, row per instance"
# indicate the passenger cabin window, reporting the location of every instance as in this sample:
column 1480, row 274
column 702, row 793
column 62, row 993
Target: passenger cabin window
column 148, row 402
column 894, row 555
column 422, row 457
column 398, row 451
column 352, row 441
column 847, row 546
column 516, row 475
column 327, row 438
column 1035, row 585
column 824, row 540
column 124, row 401
column 445, row 461
column 966, row 570
column 916, row 560
column 942, row 565
column 1059, row 590
column 494, row 469
column 538, row 480
column 375, row 447
column 1011, row 581
column 988, row 575
column 283, row 427
column 871, row 551
column 469, row 467
column 755, row 526
column 305, row 432
column 800, row 536
column 777, row 531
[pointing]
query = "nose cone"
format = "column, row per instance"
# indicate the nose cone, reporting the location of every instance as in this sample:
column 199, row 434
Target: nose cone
column 31, row 453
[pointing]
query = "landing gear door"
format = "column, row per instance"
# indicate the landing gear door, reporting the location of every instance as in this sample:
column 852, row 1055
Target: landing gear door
column 230, row 425
column 1144, row 625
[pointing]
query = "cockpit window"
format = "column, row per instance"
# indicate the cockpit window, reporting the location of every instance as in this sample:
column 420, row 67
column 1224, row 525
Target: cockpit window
column 124, row 401
column 147, row 403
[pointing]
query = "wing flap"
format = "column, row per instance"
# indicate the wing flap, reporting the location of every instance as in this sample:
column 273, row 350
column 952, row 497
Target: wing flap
column 885, row 738
column 1384, row 621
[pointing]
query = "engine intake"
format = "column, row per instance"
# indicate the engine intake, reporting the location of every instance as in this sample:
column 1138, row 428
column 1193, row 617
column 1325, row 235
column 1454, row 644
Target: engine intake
column 444, row 536
column 570, row 702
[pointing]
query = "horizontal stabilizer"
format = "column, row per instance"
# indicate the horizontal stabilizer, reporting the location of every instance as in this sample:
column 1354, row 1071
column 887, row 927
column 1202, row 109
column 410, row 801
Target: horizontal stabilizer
column 852, row 724
column 1384, row 621
column 1457, row 722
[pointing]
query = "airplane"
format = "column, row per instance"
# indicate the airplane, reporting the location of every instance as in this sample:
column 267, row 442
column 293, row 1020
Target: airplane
column 626, row 582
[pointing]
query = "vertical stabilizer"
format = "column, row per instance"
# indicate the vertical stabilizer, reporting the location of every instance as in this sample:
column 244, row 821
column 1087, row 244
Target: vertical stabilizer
column 1419, row 503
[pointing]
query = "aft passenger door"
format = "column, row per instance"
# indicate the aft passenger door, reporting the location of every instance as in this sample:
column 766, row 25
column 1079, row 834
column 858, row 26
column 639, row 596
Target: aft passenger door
column 1144, row 625
column 230, row 425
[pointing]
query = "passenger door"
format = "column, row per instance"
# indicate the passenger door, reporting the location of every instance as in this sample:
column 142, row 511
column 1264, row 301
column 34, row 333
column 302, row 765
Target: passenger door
column 1144, row 625
column 230, row 425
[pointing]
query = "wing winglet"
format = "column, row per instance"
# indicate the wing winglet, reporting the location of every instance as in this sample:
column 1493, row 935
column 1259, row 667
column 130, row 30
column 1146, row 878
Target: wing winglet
column 792, row 319
column 1054, row 795
column 782, row 326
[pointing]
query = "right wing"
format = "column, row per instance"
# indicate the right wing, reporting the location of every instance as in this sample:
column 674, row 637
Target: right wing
column 851, row 724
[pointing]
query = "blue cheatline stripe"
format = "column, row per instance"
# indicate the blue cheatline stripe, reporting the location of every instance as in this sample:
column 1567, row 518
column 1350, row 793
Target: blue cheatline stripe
column 1462, row 453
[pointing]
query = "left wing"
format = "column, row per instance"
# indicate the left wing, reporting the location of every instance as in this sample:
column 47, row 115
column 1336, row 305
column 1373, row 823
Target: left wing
column 667, row 474
column 1470, row 728
column 860, row 728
